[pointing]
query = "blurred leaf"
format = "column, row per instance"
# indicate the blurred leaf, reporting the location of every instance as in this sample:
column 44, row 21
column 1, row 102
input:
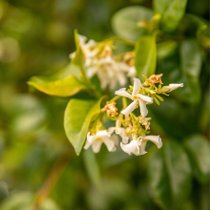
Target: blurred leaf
column 198, row 148
column 24, row 201
column 191, row 63
column 145, row 55
column 77, row 118
column 170, row 176
column 165, row 49
column 125, row 22
column 62, row 87
column 171, row 12
column 92, row 168
column 191, row 58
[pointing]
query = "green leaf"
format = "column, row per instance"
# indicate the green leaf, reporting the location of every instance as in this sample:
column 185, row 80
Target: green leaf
column 170, row 176
column 145, row 56
column 67, row 86
column 191, row 57
column 125, row 22
column 191, row 63
column 171, row 12
column 198, row 148
column 77, row 118
column 79, row 56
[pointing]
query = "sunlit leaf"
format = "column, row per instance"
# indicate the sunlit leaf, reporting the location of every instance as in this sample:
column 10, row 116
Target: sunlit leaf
column 67, row 86
column 198, row 148
column 171, row 12
column 125, row 22
column 170, row 176
column 145, row 55
column 77, row 118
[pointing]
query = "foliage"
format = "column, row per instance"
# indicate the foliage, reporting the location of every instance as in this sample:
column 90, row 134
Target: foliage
column 169, row 37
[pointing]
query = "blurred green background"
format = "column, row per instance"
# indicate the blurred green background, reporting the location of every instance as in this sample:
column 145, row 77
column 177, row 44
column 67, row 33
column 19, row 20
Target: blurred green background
column 38, row 166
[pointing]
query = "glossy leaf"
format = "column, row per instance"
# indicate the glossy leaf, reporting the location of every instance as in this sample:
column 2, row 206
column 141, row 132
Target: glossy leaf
column 170, row 176
column 125, row 22
column 198, row 148
column 145, row 59
column 67, row 86
column 171, row 12
column 77, row 118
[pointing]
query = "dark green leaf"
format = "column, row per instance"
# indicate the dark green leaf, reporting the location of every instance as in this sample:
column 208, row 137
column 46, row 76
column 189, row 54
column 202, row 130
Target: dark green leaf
column 198, row 148
column 170, row 176
column 145, row 56
column 191, row 61
column 125, row 22
column 171, row 12
column 67, row 86
column 77, row 118
column 191, row 57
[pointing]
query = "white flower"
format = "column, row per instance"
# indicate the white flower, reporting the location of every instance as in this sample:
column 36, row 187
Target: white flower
column 133, row 147
column 137, row 145
column 121, row 132
column 138, row 99
column 172, row 87
column 98, row 139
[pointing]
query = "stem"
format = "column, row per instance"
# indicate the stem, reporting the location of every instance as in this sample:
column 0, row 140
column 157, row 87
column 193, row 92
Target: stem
column 51, row 180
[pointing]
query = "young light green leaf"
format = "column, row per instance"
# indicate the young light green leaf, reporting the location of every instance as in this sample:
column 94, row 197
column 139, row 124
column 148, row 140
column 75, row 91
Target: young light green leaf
column 67, row 86
column 171, row 12
column 125, row 22
column 145, row 55
column 170, row 184
column 77, row 118
column 78, row 58
column 198, row 148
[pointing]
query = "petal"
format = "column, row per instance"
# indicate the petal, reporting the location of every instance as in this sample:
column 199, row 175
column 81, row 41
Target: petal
column 142, row 147
column 123, row 92
column 122, row 133
column 146, row 99
column 136, row 86
column 175, row 86
column 129, row 108
column 96, row 146
column 130, row 148
column 102, row 134
column 155, row 139
column 89, row 141
column 110, row 144
column 143, row 108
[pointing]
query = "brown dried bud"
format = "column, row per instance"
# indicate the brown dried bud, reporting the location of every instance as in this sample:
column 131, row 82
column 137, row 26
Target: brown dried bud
column 110, row 109
column 155, row 78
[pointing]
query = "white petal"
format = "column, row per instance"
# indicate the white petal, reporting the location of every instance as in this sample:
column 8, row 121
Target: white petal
column 123, row 92
column 147, row 99
column 130, row 148
column 136, row 86
column 122, row 133
column 129, row 108
column 142, row 147
column 96, row 146
column 175, row 86
column 102, row 134
column 143, row 108
column 155, row 139
column 89, row 141
column 110, row 144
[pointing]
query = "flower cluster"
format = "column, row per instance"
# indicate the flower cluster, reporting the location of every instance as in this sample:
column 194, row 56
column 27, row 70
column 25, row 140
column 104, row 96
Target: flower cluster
column 99, row 61
column 128, row 109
